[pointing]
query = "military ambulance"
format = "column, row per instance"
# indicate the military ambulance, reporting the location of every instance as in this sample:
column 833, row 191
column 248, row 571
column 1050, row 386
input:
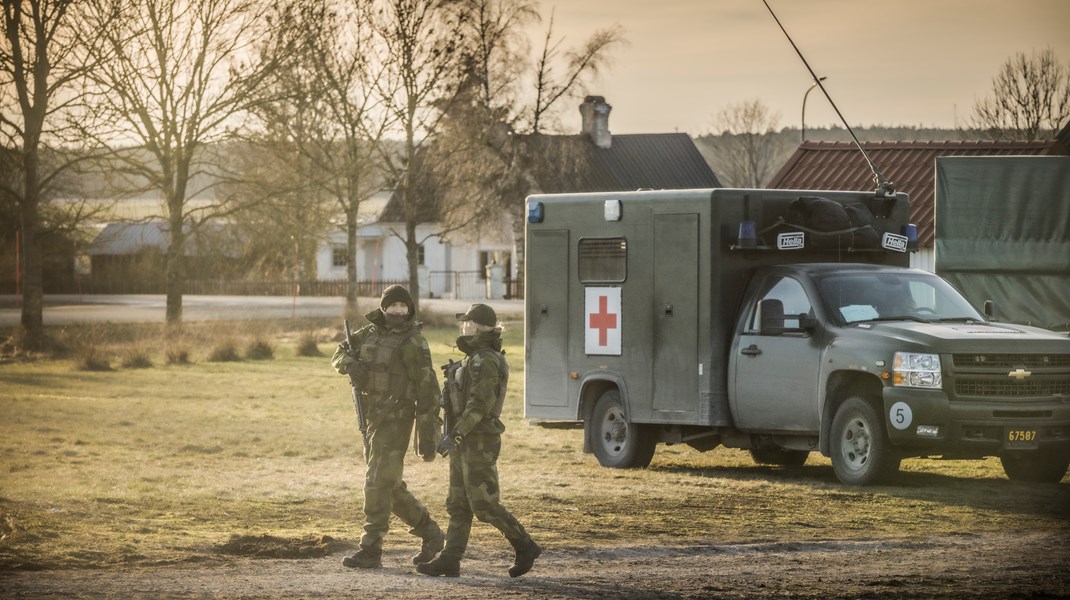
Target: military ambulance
column 780, row 322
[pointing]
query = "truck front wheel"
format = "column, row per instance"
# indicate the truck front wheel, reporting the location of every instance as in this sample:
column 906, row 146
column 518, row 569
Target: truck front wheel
column 617, row 443
column 1040, row 466
column 861, row 453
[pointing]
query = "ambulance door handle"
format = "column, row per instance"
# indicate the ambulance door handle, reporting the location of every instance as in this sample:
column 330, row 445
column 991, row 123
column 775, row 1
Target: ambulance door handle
column 544, row 309
column 751, row 350
column 668, row 310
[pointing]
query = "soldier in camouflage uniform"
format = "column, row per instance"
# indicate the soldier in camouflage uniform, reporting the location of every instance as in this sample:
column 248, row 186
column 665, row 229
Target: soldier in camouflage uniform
column 475, row 393
column 391, row 362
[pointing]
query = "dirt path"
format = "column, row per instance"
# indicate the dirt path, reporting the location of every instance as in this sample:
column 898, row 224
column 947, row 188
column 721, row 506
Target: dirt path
column 994, row 565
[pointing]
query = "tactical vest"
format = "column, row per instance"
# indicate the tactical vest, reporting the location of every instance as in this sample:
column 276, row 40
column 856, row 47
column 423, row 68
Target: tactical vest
column 469, row 373
column 378, row 354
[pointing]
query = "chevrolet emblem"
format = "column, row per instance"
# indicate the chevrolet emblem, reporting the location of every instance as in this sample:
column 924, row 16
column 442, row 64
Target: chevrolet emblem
column 1019, row 374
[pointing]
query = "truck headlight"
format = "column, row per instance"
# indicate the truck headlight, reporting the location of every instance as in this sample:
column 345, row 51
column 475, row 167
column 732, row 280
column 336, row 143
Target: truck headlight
column 917, row 370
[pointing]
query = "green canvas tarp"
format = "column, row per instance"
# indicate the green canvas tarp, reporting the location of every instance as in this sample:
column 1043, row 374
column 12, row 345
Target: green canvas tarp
column 1003, row 234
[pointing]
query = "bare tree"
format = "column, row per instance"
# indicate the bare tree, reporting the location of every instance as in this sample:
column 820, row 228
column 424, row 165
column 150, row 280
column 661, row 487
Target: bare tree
column 581, row 64
column 1030, row 99
column 40, row 67
column 745, row 151
column 319, row 124
column 504, row 103
column 419, row 42
column 172, row 80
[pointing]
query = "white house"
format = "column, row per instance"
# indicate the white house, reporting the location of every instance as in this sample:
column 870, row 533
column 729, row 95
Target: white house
column 453, row 267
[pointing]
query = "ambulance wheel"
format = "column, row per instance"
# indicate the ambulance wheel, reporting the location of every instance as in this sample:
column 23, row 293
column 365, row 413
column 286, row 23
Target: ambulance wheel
column 779, row 456
column 1039, row 466
column 861, row 452
column 617, row 443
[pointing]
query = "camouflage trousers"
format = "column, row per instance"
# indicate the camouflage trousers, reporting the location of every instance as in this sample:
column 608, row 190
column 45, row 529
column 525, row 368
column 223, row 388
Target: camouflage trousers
column 474, row 491
column 385, row 492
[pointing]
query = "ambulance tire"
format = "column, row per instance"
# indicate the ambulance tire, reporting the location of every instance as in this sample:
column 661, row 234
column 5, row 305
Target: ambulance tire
column 861, row 451
column 1037, row 466
column 617, row 443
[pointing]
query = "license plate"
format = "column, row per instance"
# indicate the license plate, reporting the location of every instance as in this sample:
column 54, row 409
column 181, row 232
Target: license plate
column 1021, row 438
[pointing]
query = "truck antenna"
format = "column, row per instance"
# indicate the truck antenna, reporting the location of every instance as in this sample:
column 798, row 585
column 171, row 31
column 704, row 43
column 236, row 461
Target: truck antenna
column 885, row 188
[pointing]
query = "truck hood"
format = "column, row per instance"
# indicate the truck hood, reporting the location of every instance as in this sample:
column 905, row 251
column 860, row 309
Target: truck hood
column 966, row 337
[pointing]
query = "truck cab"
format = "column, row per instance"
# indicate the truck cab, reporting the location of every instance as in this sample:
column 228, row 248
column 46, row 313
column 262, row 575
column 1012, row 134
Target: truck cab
column 899, row 364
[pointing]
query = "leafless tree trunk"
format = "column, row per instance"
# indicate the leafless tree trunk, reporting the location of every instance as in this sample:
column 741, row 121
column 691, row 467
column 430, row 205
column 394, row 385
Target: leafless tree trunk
column 419, row 38
column 173, row 80
column 745, row 153
column 39, row 71
column 322, row 116
column 1030, row 99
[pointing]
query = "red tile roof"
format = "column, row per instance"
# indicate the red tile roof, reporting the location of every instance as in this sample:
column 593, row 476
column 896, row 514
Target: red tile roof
column 911, row 166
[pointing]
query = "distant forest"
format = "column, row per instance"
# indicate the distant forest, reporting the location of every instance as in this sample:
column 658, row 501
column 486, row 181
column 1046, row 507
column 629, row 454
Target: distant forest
column 782, row 144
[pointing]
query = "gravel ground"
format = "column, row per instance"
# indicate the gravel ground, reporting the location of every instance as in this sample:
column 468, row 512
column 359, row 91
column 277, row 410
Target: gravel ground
column 1026, row 564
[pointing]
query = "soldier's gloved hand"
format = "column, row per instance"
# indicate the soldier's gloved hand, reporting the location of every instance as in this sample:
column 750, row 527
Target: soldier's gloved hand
column 448, row 443
column 428, row 431
column 342, row 362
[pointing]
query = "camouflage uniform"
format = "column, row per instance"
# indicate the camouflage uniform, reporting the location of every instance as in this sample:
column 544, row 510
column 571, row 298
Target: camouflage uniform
column 399, row 385
column 473, row 488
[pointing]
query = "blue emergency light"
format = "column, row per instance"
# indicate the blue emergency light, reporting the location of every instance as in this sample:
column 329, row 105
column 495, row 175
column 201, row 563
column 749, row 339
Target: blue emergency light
column 535, row 212
column 748, row 237
column 910, row 231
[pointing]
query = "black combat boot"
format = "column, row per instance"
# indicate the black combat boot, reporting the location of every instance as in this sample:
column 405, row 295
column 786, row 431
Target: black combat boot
column 526, row 553
column 432, row 545
column 442, row 566
column 365, row 559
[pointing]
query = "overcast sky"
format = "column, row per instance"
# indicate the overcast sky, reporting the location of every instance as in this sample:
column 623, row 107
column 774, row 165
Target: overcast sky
column 890, row 62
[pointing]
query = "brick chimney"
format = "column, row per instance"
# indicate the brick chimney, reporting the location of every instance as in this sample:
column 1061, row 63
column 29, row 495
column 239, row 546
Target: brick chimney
column 595, row 113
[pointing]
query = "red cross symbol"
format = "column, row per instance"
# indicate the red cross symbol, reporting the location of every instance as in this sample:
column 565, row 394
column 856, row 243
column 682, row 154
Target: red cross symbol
column 603, row 320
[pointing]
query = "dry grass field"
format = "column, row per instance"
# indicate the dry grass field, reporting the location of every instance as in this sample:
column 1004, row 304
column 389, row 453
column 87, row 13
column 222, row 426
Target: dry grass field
column 173, row 479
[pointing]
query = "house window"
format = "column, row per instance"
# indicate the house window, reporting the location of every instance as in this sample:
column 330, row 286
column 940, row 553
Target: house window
column 421, row 257
column 338, row 257
column 603, row 260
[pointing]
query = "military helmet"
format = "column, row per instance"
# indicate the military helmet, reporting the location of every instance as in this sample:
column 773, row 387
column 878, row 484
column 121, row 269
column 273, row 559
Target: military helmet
column 481, row 314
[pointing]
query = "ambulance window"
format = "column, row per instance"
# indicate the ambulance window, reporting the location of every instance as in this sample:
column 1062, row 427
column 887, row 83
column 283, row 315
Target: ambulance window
column 791, row 293
column 603, row 260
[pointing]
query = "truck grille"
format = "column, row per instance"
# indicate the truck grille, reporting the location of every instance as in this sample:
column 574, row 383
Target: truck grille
column 1010, row 361
column 1010, row 389
column 983, row 376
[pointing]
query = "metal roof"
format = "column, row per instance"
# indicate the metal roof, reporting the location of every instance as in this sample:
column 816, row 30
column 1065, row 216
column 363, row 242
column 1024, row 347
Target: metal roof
column 633, row 161
column 910, row 166
column 129, row 238
column 123, row 239
column 572, row 163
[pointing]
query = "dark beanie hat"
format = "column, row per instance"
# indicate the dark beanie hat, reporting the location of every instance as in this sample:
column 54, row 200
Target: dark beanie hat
column 397, row 293
column 480, row 313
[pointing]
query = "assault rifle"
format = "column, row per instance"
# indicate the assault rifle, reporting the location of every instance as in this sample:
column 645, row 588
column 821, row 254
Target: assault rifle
column 354, row 380
column 446, row 402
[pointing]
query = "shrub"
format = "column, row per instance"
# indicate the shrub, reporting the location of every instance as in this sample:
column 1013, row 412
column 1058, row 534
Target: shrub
column 136, row 357
column 259, row 350
column 92, row 358
column 176, row 355
column 224, row 351
column 307, row 345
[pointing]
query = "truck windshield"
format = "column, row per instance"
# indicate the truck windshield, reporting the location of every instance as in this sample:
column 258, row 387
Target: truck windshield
column 856, row 297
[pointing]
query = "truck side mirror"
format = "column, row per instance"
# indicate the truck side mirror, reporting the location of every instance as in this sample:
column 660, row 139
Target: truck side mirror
column 772, row 322
column 990, row 309
column 807, row 322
